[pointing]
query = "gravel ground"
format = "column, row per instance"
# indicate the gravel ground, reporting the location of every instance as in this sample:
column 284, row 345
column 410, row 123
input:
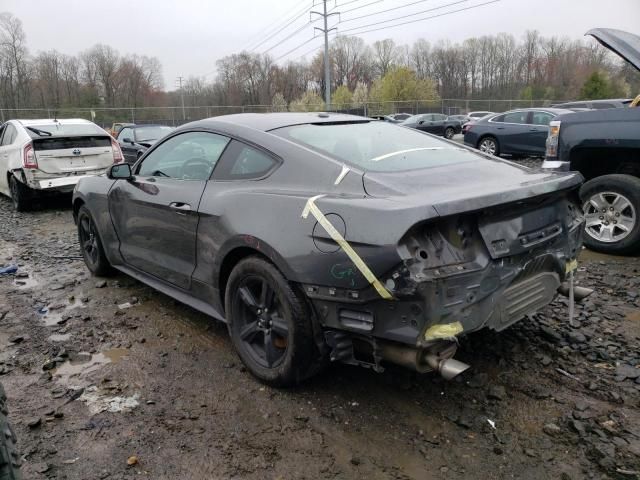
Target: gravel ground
column 108, row 379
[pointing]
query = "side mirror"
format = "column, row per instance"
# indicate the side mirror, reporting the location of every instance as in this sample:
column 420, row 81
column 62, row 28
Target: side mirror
column 420, row 122
column 127, row 140
column 119, row 171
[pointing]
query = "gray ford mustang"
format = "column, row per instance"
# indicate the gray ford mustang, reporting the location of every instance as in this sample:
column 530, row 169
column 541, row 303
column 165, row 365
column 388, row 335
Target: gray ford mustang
column 321, row 237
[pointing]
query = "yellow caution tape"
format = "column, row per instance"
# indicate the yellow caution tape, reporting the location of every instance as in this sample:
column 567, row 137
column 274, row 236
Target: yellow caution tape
column 444, row 330
column 344, row 245
column 571, row 266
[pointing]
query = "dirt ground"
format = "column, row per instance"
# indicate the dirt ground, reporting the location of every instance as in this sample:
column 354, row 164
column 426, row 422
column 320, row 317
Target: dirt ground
column 108, row 379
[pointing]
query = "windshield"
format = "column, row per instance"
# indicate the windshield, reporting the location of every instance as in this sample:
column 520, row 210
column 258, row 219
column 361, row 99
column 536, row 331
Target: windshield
column 66, row 129
column 151, row 133
column 377, row 146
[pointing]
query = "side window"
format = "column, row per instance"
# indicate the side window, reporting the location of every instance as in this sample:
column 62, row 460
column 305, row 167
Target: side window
column 426, row 118
column 188, row 156
column 541, row 118
column 515, row 117
column 9, row 135
column 242, row 162
column 602, row 106
column 438, row 117
column 498, row 119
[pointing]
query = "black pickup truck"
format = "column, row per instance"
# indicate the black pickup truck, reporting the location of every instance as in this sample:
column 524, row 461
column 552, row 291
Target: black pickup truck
column 604, row 145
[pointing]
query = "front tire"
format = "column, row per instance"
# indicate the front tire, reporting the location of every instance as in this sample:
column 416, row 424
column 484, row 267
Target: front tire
column 489, row 145
column 21, row 195
column 270, row 324
column 449, row 133
column 611, row 205
column 91, row 245
column 9, row 458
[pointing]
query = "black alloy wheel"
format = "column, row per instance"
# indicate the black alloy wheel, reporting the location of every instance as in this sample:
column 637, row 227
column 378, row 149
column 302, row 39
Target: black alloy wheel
column 270, row 324
column 90, row 244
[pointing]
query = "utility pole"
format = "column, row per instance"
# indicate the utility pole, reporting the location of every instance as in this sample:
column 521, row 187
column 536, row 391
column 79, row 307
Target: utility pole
column 327, row 69
column 179, row 80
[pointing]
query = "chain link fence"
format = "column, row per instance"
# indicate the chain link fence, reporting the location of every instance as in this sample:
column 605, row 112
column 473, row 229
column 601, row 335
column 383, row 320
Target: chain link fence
column 174, row 116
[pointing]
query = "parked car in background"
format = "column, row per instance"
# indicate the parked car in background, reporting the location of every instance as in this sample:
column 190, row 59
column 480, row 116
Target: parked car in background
column 134, row 140
column 458, row 118
column 44, row 156
column 595, row 104
column 517, row 132
column 604, row 145
column 473, row 116
column 469, row 241
column 116, row 127
column 435, row 123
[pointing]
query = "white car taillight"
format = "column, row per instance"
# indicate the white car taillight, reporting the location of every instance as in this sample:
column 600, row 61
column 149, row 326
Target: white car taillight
column 552, row 138
column 117, row 153
column 29, row 157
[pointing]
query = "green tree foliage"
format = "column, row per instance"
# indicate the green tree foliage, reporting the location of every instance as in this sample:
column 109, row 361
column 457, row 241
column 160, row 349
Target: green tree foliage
column 360, row 95
column 341, row 98
column 401, row 84
column 595, row 87
column 278, row 104
column 308, row 102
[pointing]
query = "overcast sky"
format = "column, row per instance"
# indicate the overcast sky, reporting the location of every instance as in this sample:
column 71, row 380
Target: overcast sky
column 188, row 36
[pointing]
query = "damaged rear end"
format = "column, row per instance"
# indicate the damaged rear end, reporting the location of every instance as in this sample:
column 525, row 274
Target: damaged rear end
column 498, row 249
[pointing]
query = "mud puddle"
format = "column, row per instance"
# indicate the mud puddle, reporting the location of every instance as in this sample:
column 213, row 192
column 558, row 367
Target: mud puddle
column 82, row 364
column 53, row 314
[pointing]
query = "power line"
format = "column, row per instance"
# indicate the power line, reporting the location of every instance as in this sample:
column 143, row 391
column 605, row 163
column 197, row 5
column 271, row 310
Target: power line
column 269, row 37
column 294, row 49
column 273, row 25
column 385, row 11
column 416, row 20
column 309, row 51
column 290, row 35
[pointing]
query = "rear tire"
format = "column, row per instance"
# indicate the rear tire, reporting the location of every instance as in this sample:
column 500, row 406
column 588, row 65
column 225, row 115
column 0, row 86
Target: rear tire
column 270, row 324
column 611, row 205
column 91, row 244
column 449, row 133
column 489, row 145
column 21, row 195
column 9, row 457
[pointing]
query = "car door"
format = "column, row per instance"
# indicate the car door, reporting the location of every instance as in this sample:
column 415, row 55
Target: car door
column 539, row 129
column 155, row 214
column 424, row 123
column 129, row 150
column 438, row 123
column 8, row 151
column 512, row 131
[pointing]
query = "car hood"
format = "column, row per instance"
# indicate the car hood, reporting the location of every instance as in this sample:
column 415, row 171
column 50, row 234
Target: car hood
column 625, row 44
column 467, row 186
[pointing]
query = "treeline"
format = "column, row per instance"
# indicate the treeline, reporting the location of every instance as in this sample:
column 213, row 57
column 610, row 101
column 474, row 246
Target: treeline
column 490, row 67
column 99, row 76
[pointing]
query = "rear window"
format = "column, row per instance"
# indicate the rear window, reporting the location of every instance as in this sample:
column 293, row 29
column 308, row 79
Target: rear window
column 377, row 146
column 60, row 130
column 57, row 143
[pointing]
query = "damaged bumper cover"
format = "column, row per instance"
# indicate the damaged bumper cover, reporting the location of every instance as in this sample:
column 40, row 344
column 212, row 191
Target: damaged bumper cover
column 63, row 182
column 459, row 275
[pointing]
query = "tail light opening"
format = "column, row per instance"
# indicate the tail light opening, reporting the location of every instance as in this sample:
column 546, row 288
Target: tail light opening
column 117, row 153
column 552, row 138
column 29, row 157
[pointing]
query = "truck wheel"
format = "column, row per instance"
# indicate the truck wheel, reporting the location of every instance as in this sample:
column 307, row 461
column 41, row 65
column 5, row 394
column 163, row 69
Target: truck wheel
column 91, row 245
column 489, row 145
column 21, row 195
column 449, row 133
column 611, row 206
column 269, row 324
column 9, row 458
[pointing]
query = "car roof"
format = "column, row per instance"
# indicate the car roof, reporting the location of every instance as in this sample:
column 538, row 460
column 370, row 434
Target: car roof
column 142, row 125
column 51, row 121
column 556, row 111
column 271, row 121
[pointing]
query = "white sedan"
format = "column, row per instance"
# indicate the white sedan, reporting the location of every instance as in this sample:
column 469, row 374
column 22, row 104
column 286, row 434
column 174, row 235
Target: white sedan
column 51, row 155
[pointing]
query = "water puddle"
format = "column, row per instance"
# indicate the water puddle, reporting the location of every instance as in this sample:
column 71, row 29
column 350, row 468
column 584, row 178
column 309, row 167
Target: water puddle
column 81, row 364
column 53, row 314
column 60, row 337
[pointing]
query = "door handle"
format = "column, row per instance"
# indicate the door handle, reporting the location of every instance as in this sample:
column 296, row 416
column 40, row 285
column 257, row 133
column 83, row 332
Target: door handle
column 499, row 128
column 180, row 208
column 534, row 130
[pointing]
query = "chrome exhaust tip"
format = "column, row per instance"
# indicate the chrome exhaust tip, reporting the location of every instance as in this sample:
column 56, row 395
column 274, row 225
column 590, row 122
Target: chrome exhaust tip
column 451, row 368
